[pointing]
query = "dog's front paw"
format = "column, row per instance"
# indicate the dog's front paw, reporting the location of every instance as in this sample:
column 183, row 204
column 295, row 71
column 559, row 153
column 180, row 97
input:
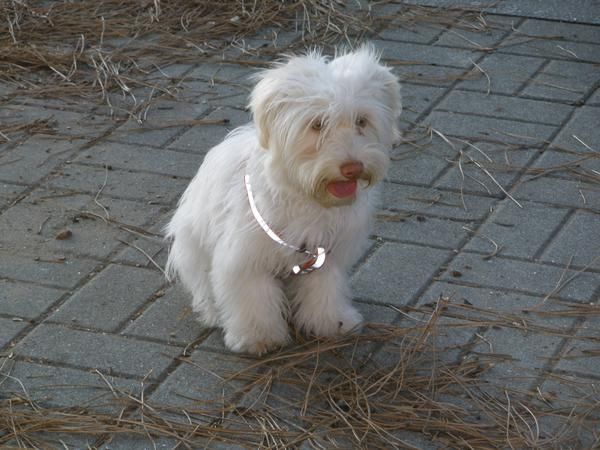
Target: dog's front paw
column 257, row 342
column 344, row 320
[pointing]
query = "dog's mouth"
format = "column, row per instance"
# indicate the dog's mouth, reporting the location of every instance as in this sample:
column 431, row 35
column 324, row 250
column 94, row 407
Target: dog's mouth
column 342, row 189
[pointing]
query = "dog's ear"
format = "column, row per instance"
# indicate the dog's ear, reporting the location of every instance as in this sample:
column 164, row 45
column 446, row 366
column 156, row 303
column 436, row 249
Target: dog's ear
column 261, row 104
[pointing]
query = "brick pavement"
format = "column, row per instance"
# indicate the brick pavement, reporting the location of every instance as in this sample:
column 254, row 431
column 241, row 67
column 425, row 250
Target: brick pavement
column 505, row 217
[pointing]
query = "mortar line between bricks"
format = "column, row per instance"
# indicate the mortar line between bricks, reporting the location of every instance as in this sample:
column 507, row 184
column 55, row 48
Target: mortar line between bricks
column 456, row 282
column 467, row 284
column 551, row 57
column 557, row 229
column 556, row 101
column 366, row 256
column 97, row 331
column 546, row 19
column 444, row 29
column 549, row 367
column 62, row 365
column 87, row 329
column 573, row 267
column 539, row 263
column 528, row 81
column 408, row 242
column 158, row 293
column 184, row 130
column 148, row 172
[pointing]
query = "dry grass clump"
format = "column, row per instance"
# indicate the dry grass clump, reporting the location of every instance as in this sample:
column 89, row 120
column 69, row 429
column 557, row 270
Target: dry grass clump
column 390, row 387
column 90, row 49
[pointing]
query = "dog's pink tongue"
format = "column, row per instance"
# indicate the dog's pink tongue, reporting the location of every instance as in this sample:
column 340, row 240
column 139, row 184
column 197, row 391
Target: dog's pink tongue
column 342, row 189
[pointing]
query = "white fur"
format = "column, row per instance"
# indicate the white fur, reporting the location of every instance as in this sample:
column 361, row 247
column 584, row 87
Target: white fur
column 240, row 278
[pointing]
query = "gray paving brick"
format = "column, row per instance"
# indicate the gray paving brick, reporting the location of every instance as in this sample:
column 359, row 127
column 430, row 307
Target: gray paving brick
column 555, row 49
column 435, row 202
column 416, row 99
column 136, row 442
column 476, row 36
column 26, row 300
column 8, row 193
column 584, row 125
column 148, row 159
column 202, row 138
column 66, row 123
column 501, row 273
column 564, row 30
column 436, row 76
column 559, row 192
column 110, row 298
column 9, row 328
column 582, row 354
column 489, row 128
column 396, row 272
column 162, row 122
column 474, row 305
column 522, row 355
column 574, row 394
column 32, row 226
column 584, row 11
column 563, row 80
column 594, row 99
column 169, row 318
column 505, row 168
column 64, row 387
column 220, row 72
column 154, row 246
column 507, row 73
column 568, row 164
column 108, row 353
column 59, row 273
column 504, row 107
column 209, row 93
column 129, row 184
column 519, row 232
column 203, row 376
column 576, row 240
column 35, row 158
column 416, row 166
column 420, row 229
column 424, row 54
column 415, row 32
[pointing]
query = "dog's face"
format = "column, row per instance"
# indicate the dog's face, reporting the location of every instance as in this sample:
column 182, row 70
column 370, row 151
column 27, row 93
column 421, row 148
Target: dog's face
column 328, row 124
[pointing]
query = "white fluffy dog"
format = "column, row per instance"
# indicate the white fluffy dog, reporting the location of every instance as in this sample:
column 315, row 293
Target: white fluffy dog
column 320, row 141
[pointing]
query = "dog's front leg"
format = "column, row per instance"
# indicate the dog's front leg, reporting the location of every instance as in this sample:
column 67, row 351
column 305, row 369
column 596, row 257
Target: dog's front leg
column 251, row 305
column 321, row 302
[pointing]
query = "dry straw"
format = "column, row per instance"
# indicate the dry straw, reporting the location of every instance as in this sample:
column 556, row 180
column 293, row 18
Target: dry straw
column 380, row 389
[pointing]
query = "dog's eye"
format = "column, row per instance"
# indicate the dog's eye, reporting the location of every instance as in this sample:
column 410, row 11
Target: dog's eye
column 361, row 122
column 317, row 125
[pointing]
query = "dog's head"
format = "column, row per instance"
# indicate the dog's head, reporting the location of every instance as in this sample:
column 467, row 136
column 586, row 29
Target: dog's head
column 328, row 124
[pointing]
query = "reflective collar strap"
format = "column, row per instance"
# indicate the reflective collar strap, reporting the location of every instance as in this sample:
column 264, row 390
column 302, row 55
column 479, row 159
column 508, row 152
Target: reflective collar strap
column 316, row 261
